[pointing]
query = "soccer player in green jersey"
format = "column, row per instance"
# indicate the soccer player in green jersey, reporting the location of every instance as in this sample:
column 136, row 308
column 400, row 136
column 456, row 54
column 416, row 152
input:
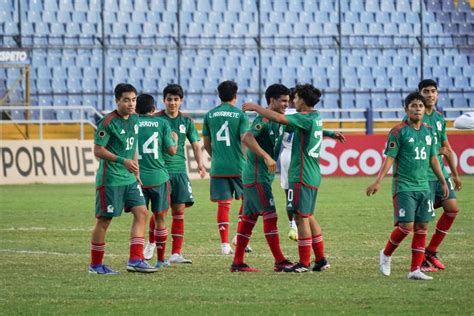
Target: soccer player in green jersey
column 155, row 140
column 411, row 147
column 117, row 181
column 428, row 88
column 304, row 174
column 263, row 143
column 181, row 190
column 223, row 128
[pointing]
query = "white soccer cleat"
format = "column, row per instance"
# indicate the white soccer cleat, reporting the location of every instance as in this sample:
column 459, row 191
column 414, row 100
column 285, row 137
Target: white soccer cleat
column 149, row 250
column 234, row 243
column 226, row 249
column 177, row 258
column 385, row 263
column 418, row 275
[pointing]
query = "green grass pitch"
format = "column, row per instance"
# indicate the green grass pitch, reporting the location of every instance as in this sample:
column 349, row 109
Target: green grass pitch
column 44, row 246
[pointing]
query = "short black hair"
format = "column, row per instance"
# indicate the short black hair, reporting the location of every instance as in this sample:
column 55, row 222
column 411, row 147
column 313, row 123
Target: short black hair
column 414, row 96
column 174, row 89
column 121, row 88
column 292, row 94
column 310, row 94
column 227, row 90
column 276, row 91
column 427, row 83
column 145, row 104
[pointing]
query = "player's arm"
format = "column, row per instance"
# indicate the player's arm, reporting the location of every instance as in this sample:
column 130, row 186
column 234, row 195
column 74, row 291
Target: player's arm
column 207, row 144
column 335, row 134
column 198, row 157
column 439, row 174
column 137, row 174
column 269, row 114
column 243, row 146
column 448, row 153
column 375, row 187
column 250, row 141
column 103, row 153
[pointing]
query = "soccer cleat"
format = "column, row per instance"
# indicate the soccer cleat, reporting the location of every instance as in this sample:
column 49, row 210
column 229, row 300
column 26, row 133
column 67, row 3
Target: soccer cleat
column 177, row 258
column 162, row 264
column 418, row 275
column 434, row 260
column 385, row 263
column 280, row 266
column 140, row 266
column 321, row 265
column 297, row 268
column 247, row 248
column 293, row 234
column 101, row 269
column 242, row 268
column 226, row 249
column 149, row 250
column 426, row 267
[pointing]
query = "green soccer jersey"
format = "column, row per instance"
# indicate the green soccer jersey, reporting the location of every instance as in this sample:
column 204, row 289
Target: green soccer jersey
column 119, row 137
column 269, row 136
column 438, row 127
column 153, row 141
column 224, row 124
column 184, row 126
column 307, row 140
column 412, row 150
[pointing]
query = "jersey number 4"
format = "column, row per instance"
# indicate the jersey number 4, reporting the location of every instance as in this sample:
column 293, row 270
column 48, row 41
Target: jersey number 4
column 153, row 149
column 222, row 134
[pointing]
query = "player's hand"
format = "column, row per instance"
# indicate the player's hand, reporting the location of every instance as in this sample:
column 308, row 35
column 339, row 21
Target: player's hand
column 174, row 136
column 131, row 166
column 445, row 189
column 202, row 171
column 373, row 188
column 271, row 164
column 139, row 180
column 340, row 137
column 457, row 183
column 445, row 151
column 249, row 106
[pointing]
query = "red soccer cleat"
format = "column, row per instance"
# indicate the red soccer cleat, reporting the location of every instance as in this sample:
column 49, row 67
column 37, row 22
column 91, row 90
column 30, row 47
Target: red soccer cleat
column 433, row 259
column 280, row 266
column 425, row 267
column 242, row 268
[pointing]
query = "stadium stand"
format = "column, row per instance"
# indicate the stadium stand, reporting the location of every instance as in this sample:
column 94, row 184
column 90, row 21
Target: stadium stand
column 369, row 58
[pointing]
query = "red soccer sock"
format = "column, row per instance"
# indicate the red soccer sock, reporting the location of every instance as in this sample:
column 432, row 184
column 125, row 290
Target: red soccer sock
column 151, row 229
column 177, row 233
column 270, row 229
column 223, row 208
column 244, row 232
column 161, row 235
column 418, row 249
column 304, row 250
column 442, row 227
column 318, row 247
column 397, row 236
column 136, row 248
column 97, row 253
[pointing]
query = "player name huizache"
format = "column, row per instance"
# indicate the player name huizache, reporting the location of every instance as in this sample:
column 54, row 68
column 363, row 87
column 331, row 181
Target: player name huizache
column 225, row 114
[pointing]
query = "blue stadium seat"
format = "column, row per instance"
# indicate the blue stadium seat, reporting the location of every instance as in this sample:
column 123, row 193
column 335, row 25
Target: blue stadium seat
column 366, row 82
column 466, row 29
column 398, row 83
column 461, row 83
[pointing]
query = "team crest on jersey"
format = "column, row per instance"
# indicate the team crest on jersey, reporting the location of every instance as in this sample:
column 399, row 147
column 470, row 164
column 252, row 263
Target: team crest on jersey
column 439, row 126
column 428, row 140
column 102, row 134
column 258, row 126
column 136, row 128
column 110, row 208
column 182, row 129
column 401, row 212
column 391, row 145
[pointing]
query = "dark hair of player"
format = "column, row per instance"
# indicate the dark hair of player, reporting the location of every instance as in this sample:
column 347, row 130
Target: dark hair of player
column 173, row 89
column 145, row 104
column 276, row 91
column 292, row 94
column 122, row 88
column 227, row 90
column 427, row 83
column 414, row 96
column 308, row 93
